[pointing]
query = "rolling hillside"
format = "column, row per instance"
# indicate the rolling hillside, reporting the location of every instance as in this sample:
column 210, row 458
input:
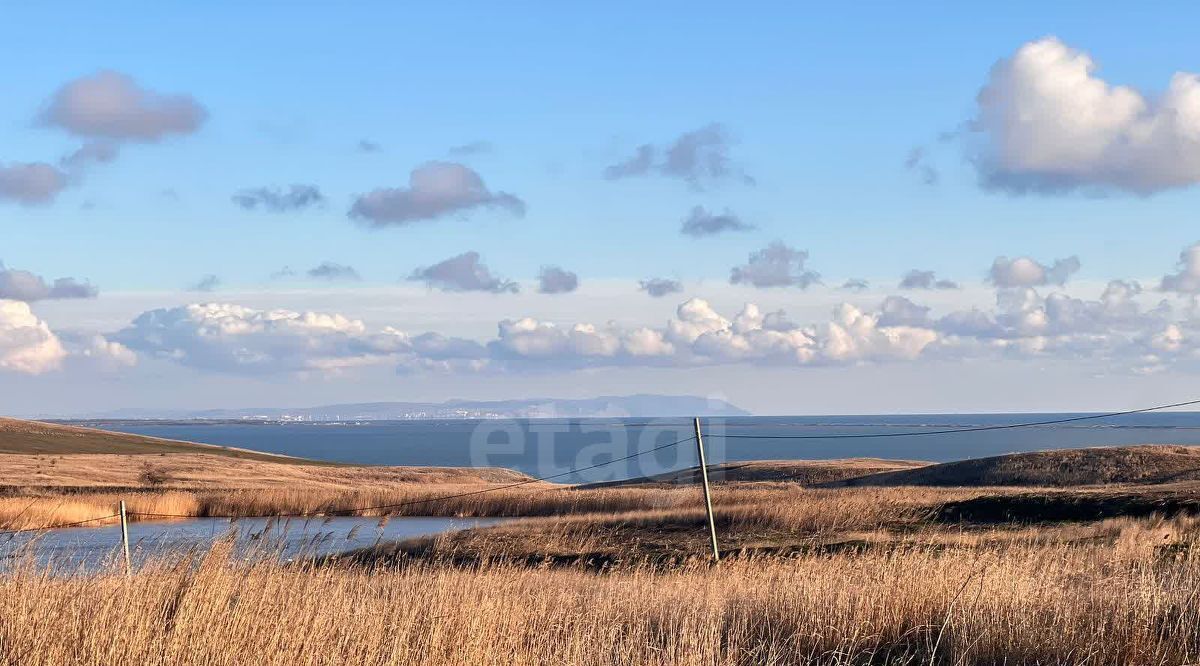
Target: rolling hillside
column 805, row 472
column 35, row 437
column 1146, row 464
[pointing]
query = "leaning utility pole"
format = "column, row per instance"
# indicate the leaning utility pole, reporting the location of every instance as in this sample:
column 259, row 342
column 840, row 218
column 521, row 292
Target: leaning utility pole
column 712, row 525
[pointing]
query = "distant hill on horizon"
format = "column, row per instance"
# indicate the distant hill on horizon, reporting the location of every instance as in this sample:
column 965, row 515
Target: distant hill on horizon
column 636, row 406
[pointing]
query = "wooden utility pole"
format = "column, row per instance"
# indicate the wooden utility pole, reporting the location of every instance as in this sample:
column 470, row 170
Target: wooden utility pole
column 712, row 525
column 125, row 539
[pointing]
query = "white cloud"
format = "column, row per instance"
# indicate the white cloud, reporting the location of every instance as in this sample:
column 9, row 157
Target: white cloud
column 18, row 285
column 699, row 335
column 899, row 311
column 278, row 200
column 108, row 354
column 856, row 335
column 1121, row 326
column 1026, row 272
column 464, row 272
column 231, row 338
column 31, row 183
column 776, row 265
column 27, row 345
column 91, row 153
column 1186, row 280
column 918, row 279
column 328, row 270
column 659, row 287
column 557, row 280
column 530, row 339
column 1046, row 122
column 696, row 157
column 702, row 222
column 435, row 189
column 111, row 105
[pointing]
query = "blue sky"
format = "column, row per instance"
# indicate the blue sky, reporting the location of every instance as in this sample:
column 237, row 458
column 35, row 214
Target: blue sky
column 820, row 105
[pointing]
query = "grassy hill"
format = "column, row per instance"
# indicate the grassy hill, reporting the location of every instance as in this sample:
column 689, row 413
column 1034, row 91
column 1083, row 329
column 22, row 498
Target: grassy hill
column 47, row 456
column 806, row 472
column 1145, row 464
column 36, row 437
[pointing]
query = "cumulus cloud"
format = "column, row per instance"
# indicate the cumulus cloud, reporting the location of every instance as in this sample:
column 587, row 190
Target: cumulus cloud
column 855, row 284
column 659, row 287
column 530, row 339
column 1046, row 122
column 109, row 354
column 435, row 189
column 1026, row 272
column 464, row 272
column 702, row 222
column 278, row 200
column 223, row 337
column 556, row 280
column 1114, row 328
column 31, row 183
column 899, row 311
column 329, row 270
column 776, row 265
column 850, row 335
column 918, row 279
column 231, row 338
column 18, row 285
column 97, row 351
column 1186, row 279
column 695, row 157
column 206, row 284
column 27, row 345
column 111, row 105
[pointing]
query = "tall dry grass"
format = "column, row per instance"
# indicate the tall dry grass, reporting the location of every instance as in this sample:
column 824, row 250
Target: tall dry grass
column 1125, row 600
column 746, row 505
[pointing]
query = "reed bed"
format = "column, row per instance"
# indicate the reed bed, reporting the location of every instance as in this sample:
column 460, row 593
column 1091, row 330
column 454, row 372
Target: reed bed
column 1123, row 599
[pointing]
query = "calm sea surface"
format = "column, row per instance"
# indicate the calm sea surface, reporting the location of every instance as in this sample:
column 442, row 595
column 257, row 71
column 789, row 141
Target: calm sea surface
column 550, row 447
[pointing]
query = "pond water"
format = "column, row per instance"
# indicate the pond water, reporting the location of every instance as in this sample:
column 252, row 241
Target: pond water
column 92, row 548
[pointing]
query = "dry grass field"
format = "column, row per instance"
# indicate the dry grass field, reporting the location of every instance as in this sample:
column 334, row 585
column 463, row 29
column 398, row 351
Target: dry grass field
column 1067, row 557
column 1117, row 593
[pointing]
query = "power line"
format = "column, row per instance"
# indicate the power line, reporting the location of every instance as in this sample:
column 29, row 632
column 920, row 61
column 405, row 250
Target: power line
column 57, row 527
column 1007, row 426
column 428, row 499
column 335, row 512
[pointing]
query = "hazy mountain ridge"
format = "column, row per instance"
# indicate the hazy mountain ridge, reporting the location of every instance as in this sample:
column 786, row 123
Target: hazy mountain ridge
column 637, row 406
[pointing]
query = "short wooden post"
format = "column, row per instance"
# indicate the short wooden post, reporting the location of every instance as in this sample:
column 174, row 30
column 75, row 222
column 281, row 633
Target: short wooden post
column 125, row 539
column 712, row 525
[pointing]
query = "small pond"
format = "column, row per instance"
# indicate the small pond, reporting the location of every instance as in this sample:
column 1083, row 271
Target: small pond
column 91, row 548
